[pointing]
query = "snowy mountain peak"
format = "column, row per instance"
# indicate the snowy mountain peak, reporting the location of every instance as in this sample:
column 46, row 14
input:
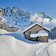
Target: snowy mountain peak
column 16, row 17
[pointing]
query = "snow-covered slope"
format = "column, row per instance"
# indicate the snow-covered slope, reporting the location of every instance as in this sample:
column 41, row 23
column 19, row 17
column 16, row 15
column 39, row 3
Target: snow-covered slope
column 21, row 37
column 2, row 31
column 47, row 50
column 9, row 46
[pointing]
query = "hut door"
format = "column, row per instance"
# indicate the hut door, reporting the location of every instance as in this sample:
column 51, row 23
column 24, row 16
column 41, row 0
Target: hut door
column 37, row 39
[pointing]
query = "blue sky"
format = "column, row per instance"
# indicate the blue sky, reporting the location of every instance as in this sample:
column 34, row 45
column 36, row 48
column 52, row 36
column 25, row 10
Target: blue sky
column 33, row 6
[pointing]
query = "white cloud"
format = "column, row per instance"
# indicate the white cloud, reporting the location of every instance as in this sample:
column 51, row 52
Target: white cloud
column 37, row 18
column 46, row 20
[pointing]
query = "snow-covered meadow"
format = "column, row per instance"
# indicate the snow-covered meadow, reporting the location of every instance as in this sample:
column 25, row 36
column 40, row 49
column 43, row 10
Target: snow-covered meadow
column 10, row 46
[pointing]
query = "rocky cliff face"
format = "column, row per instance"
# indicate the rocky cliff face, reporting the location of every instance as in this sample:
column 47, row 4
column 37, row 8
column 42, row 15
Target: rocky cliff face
column 16, row 17
column 3, row 25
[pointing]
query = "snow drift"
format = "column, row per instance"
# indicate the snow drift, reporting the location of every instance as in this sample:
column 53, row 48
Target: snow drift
column 10, row 46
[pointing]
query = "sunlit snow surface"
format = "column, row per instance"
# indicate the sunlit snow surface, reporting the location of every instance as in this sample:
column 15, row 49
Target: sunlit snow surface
column 9, row 46
column 21, row 37
column 14, row 44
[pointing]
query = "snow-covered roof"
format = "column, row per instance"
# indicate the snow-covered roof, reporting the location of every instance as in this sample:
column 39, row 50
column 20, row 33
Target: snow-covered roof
column 40, row 33
column 34, row 25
